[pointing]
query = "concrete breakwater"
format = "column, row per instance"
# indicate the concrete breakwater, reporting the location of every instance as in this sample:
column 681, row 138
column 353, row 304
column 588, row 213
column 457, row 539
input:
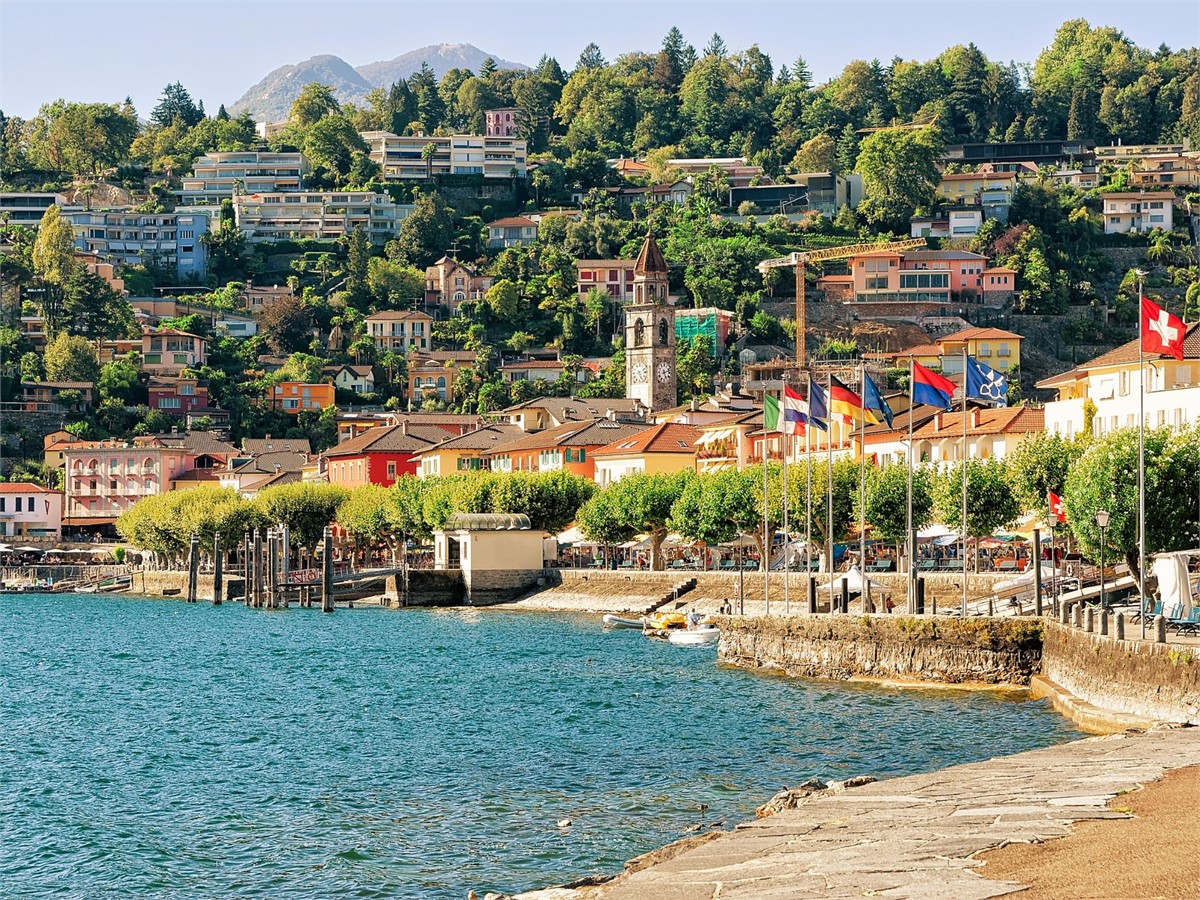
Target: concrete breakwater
column 1141, row 678
column 995, row 651
column 1086, row 674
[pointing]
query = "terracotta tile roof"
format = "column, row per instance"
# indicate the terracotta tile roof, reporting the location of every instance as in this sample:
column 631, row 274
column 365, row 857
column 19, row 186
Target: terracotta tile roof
column 669, row 437
column 197, row 475
column 980, row 334
column 398, row 315
column 358, row 371
column 61, row 385
column 1062, row 378
column 599, row 433
column 1128, row 353
column 389, row 439
column 649, row 259
column 282, row 478
column 995, row 269
column 1006, row 420
column 988, row 176
column 534, row 364
column 513, row 222
column 486, row 438
column 24, row 487
column 1138, row 195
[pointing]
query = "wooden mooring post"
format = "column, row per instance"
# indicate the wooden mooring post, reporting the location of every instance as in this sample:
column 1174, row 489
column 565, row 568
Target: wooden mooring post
column 327, row 570
column 285, row 552
column 218, row 570
column 248, row 573
column 258, row 570
column 193, row 567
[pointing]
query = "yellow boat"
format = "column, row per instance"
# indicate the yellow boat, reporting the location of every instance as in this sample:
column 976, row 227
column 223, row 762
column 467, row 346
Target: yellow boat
column 664, row 620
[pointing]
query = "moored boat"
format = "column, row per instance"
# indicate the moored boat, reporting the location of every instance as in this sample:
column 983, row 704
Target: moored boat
column 695, row 637
column 611, row 621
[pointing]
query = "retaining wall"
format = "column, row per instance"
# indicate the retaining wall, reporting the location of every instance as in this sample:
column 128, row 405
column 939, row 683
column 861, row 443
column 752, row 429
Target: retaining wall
column 1000, row 651
column 1141, row 678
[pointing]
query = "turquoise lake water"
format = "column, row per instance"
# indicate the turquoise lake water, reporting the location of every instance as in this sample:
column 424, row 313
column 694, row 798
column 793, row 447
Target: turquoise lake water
column 157, row 748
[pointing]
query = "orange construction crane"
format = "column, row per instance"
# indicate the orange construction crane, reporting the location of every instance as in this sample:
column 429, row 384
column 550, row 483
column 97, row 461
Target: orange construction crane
column 801, row 259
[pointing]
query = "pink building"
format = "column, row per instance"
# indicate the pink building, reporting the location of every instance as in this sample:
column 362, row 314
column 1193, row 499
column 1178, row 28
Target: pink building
column 502, row 122
column 937, row 276
column 169, row 351
column 104, row 479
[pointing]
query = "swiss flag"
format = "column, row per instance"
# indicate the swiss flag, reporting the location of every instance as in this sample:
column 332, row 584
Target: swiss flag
column 1056, row 507
column 1161, row 331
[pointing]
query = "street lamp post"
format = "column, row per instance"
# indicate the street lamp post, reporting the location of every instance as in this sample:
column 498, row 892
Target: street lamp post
column 1102, row 523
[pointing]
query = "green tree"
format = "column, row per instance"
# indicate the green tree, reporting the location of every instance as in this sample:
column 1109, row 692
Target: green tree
column 425, row 234
column 393, row 284
column 119, row 381
column 70, row 358
column 1103, row 478
column 285, row 324
column 305, row 508
column 1038, row 465
column 177, row 103
column 817, row 154
column 887, row 501
column 333, row 144
column 315, row 102
column 991, row 501
column 54, row 263
column 694, row 368
column 93, row 309
column 550, row 499
column 503, row 299
column 637, row 503
column 358, row 267
column 899, row 172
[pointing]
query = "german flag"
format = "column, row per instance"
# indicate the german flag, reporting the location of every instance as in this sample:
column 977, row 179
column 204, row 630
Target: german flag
column 846, row 406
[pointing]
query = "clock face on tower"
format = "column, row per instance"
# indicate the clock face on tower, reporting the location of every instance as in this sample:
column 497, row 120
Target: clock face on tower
column 641, row 373
column 663, row 372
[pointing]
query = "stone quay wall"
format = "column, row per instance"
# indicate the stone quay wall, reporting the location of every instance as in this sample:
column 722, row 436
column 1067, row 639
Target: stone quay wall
column 1141, row 678
column 993, row 651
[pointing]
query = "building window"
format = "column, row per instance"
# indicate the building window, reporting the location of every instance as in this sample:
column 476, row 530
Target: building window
column 391, row 469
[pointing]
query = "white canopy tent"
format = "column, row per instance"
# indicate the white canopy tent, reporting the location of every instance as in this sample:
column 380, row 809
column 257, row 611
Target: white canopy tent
column 854, row 583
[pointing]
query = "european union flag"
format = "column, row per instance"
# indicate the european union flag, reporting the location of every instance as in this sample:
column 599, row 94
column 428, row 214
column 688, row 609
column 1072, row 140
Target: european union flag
column 873, row 400
column 986, row 384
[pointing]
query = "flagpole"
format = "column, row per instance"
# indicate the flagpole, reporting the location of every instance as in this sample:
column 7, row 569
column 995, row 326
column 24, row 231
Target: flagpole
column 1052, row 520
column 862, row 486
column 808, row 494
column 766, row 526
column 908, row 538
column 1141, row 479
column 829, row 497
column 964, row 482
column 787, row 540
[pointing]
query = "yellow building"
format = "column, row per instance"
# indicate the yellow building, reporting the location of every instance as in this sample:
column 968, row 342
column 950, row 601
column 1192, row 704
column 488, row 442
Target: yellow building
column 994, row 347
column 464, row 452
column 660, row 449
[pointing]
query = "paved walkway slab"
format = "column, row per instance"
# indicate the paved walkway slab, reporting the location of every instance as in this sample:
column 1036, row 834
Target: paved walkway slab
column 913, row 837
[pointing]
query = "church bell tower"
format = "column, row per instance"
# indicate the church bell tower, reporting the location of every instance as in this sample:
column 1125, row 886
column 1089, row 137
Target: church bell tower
column 650, row 333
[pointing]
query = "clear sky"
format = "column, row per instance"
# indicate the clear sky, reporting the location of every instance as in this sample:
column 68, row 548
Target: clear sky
column 104, row 51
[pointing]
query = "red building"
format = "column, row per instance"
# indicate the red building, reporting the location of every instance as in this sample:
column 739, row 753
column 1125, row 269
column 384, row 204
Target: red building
column 177, row 396
column 379, row 455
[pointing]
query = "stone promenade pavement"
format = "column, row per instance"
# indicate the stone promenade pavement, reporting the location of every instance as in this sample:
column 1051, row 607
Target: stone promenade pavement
column 912, row 837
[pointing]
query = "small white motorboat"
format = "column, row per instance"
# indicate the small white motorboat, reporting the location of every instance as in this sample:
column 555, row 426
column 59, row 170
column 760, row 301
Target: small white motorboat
column 695, row 637
column 611, row 621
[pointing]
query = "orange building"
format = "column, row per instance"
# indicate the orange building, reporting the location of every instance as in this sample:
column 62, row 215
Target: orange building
column 293, row 397
column 568, row 447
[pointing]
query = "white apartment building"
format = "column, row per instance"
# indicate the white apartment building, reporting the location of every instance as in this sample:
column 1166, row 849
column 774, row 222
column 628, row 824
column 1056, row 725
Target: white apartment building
column 322, row 216
column 30, row 510
column 26, row 208
column 168, row 240
column 1138, row 211
column 215, row 175
column 399, row 156
column 1112, row 382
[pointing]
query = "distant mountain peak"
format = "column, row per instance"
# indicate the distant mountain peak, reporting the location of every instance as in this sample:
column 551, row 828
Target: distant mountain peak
column 271, row 99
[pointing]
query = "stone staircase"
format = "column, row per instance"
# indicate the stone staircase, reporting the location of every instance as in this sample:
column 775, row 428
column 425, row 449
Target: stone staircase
column 672, row 596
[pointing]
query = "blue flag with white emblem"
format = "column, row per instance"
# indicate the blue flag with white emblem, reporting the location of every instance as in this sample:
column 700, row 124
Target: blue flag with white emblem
column 986, row 384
